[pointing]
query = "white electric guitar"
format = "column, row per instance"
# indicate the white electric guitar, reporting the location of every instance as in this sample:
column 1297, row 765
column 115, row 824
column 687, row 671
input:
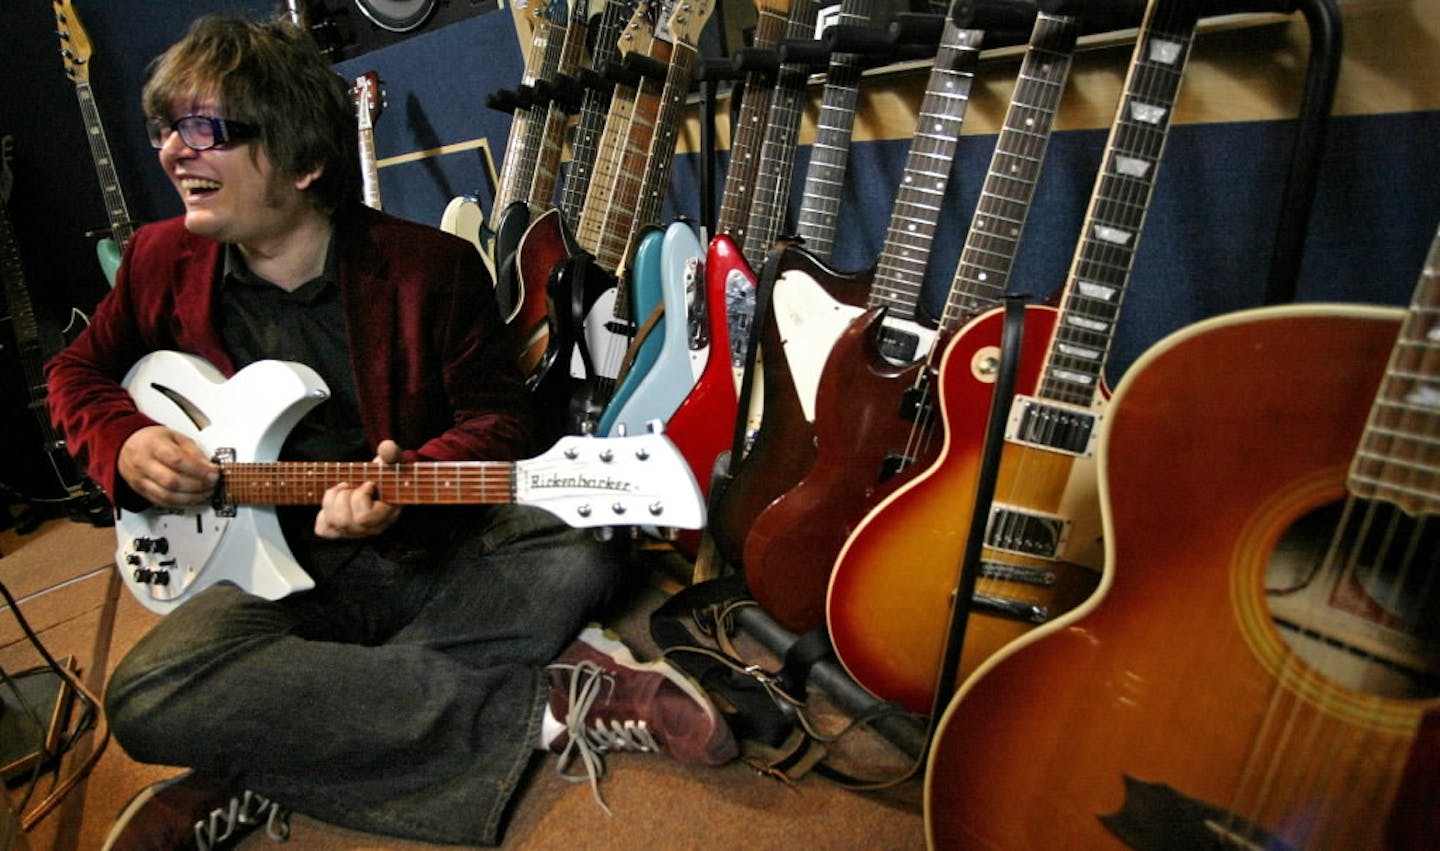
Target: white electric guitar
column 167, row 555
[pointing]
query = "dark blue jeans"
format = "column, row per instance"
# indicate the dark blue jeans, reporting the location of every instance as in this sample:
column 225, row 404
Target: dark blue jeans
column 402, row 696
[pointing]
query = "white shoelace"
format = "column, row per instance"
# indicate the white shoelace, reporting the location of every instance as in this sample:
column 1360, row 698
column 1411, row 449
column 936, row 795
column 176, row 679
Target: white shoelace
column 587, row 682
column 246, row 809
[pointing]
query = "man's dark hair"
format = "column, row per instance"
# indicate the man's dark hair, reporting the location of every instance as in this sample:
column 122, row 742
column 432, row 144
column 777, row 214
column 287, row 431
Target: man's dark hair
column 271, row 75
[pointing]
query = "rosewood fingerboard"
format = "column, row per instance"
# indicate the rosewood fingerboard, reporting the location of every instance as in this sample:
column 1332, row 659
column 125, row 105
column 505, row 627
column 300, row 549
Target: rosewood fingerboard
column 830, row 152
column 771, row 196
column 684, row 27
column 1398, row 459
column 748, row 133
column 304, row 483
column 594, row 106
column 608, row 218
column 900, row 270
column 991, row 243
column 1110, row 235
column 551, row 142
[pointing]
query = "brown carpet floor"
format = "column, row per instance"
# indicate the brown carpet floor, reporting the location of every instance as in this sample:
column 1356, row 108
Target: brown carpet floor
column 63, row 578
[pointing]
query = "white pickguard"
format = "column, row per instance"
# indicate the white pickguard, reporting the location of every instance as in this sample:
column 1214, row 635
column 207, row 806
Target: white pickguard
column 250, row 415
column 606, row 347
column 810, row 323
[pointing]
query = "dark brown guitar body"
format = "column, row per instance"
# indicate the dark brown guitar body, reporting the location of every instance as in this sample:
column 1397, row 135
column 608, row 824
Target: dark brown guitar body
column 859, row 428
column 782, row 449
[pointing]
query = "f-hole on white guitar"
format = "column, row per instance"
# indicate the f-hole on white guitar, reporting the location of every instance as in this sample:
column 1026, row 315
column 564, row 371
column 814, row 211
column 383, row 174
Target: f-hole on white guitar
column 167, row 555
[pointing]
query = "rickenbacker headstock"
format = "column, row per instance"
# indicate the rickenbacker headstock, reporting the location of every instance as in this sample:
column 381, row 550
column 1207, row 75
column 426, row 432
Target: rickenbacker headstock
column 368, row 95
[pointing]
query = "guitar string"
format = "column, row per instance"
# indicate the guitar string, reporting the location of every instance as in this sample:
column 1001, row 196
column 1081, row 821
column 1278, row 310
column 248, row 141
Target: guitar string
column 1039, row 85
column 1149, row 82
column 1349, row 552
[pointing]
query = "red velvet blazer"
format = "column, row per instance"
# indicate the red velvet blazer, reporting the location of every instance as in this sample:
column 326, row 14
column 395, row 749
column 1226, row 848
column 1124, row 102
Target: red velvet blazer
column 433, row 366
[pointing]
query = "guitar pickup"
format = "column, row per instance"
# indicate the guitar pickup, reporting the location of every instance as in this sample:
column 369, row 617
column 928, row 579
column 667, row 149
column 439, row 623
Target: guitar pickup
column 1026, row 533
column 1047, row 425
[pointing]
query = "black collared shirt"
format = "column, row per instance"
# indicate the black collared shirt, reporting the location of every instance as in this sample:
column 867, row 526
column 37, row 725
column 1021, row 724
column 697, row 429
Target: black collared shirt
column 258, row 320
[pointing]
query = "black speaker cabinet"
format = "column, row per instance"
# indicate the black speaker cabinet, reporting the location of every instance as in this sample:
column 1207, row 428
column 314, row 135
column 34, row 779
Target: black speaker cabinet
column 350, row 28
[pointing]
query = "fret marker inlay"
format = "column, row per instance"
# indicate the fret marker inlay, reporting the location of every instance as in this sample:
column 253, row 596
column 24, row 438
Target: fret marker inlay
column 1165, row 51
column 1118, row 236
column 1131, row 166
column 1148, row 113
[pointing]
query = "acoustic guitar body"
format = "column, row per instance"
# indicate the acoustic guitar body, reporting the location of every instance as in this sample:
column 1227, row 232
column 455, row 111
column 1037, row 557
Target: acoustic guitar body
column 1170, row 710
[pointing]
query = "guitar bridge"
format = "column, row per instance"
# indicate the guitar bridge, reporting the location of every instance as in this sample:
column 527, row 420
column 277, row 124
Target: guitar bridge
column 218, row 501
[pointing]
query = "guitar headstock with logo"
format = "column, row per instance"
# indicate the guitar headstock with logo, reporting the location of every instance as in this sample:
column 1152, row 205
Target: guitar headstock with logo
column 368, row 95
column 74, row 42
column 636, row 480
column 688, row 19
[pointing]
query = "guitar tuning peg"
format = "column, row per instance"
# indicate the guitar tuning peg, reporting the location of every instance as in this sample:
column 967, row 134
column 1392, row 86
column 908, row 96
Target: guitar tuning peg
column 655, row 426
column 604, row 534
column 621, row 430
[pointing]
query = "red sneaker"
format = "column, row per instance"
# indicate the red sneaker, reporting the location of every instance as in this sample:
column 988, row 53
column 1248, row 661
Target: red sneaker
column 194, row 812
column 610, row 701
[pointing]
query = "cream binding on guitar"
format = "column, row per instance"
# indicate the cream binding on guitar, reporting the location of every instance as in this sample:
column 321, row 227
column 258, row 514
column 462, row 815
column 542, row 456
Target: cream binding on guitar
column 1259, row 668
column 167, row 555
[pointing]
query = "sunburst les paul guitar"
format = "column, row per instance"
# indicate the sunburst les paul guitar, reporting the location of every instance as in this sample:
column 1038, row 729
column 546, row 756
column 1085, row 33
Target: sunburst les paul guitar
column 168, row 555
column 1261, row 665
column 888, row 605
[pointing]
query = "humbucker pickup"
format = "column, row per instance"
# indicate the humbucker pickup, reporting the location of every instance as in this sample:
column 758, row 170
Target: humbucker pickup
column 1048, row 425
column 1017, row 531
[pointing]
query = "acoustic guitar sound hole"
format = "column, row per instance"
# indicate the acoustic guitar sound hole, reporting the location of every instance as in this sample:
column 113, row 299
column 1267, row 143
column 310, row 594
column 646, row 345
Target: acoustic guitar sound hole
column 1354, row 589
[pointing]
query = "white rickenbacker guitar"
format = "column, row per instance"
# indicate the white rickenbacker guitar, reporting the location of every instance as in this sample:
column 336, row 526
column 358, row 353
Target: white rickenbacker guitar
column 369, row 99
column 168, row 555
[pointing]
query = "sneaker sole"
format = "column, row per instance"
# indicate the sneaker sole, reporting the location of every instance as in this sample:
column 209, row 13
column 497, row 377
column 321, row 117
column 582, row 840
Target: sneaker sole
column 139, row 800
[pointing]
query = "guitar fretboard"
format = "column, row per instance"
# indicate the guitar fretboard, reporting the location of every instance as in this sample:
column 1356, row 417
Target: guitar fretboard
column 1399, row 455
column 994, row 235
column 900, row 271
column 518, row 167
column 748, row 133
column 594, row 105
column 121, row 228
column 1111, row 231
column 771, row 196
column 830, row 152
column 684, row 26
column 608, row 219
column 304, row 483
column 548, row 141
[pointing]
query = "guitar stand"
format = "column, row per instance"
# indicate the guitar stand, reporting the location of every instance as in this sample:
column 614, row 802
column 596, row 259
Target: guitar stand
column 1009, row 367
